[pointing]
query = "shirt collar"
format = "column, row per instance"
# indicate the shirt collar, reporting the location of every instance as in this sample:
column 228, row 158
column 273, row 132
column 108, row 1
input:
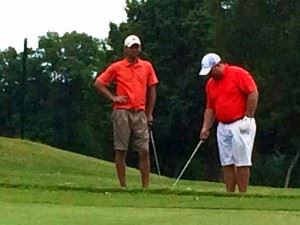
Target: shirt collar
column 127, row 64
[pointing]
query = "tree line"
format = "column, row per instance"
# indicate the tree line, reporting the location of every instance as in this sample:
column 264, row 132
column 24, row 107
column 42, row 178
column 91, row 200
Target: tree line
column 57, row 104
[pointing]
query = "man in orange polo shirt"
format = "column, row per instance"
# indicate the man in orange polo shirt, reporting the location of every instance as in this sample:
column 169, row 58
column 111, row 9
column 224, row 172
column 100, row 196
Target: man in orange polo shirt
column 133, row 104
column 232, row 98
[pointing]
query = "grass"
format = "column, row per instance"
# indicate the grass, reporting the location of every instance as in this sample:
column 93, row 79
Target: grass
column 44, row 185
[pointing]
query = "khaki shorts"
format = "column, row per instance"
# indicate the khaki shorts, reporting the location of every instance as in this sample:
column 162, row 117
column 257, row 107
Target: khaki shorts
column 130, row 128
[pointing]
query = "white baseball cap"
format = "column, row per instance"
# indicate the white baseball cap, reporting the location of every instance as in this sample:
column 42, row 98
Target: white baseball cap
column 131, row 40
column 208, row 61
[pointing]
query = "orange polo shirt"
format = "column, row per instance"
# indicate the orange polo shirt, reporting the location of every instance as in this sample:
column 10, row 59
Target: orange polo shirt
column 131, row 80
column 227, row 97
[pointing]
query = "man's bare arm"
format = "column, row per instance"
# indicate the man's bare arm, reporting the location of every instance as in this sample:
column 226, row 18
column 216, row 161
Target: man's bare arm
column 151, row 99
column 209, row 118
column 102, row 89
column 252, row 101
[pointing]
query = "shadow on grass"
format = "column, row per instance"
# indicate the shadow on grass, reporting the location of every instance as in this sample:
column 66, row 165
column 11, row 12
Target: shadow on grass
column 158, row 191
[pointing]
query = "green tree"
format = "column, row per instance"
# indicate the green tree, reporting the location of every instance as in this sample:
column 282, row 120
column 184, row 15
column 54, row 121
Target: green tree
column 10, row 80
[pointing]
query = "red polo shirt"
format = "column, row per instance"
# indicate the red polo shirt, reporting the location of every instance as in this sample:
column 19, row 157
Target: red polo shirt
column 227, row 97
column 131, row 80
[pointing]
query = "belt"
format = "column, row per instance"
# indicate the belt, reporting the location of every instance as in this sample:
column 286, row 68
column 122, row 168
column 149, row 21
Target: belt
column 135, row 110
column 130, row 109
column 232, row 121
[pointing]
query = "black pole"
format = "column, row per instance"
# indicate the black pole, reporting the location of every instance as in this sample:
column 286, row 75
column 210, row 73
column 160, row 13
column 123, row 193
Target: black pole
column 23, row 88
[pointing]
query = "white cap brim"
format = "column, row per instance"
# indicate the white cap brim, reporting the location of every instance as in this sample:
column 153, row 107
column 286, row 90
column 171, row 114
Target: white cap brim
column 134, row 43
column 204, row 71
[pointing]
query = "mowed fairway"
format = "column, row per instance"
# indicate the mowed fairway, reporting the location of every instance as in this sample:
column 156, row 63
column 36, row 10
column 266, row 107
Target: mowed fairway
column 43, row 185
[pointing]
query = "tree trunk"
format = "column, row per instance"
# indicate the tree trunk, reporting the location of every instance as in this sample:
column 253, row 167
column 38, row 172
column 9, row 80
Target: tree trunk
column 289, row 172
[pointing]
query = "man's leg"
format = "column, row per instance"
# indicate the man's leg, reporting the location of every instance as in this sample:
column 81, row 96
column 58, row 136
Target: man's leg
column 243, row 146
column 121, row 132
column 120, row 161
column 230, row 177
column 242, row 178
column 144, row 164
column 140, row 143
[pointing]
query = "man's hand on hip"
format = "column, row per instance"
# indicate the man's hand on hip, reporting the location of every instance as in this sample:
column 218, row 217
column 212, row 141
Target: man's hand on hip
column 120, row 99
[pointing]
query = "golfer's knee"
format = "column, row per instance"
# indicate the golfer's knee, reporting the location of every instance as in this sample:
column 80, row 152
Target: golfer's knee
column 144, row 154
column 120, row 155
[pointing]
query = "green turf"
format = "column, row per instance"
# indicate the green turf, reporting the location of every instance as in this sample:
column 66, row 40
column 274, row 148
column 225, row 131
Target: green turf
column 25, row 214
column 43, row 185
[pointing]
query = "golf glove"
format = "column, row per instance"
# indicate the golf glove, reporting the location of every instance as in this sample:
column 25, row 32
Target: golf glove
column 245, row 124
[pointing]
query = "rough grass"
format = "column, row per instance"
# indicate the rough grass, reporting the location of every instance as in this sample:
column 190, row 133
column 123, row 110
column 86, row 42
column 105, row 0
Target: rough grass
column 44, row 185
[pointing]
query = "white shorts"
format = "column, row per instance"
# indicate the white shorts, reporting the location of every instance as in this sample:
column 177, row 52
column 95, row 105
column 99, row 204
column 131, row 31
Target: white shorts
column 235, row 148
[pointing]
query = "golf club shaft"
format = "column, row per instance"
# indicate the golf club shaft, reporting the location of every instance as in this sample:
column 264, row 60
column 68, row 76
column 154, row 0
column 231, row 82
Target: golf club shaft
column 188, row 162
column 154, row 151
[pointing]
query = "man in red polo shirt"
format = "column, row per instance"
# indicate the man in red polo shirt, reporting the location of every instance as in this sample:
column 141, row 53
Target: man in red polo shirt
column 133, row 103
column 232, row 98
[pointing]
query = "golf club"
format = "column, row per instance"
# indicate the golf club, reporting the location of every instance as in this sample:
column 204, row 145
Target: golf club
column 184, row 168
column 154, row 151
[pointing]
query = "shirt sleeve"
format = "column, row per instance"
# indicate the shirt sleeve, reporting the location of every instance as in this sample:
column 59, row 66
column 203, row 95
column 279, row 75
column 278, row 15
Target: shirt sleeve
column 246, row 82
column 152, row 80
column 210, row 103
column 108, row 75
